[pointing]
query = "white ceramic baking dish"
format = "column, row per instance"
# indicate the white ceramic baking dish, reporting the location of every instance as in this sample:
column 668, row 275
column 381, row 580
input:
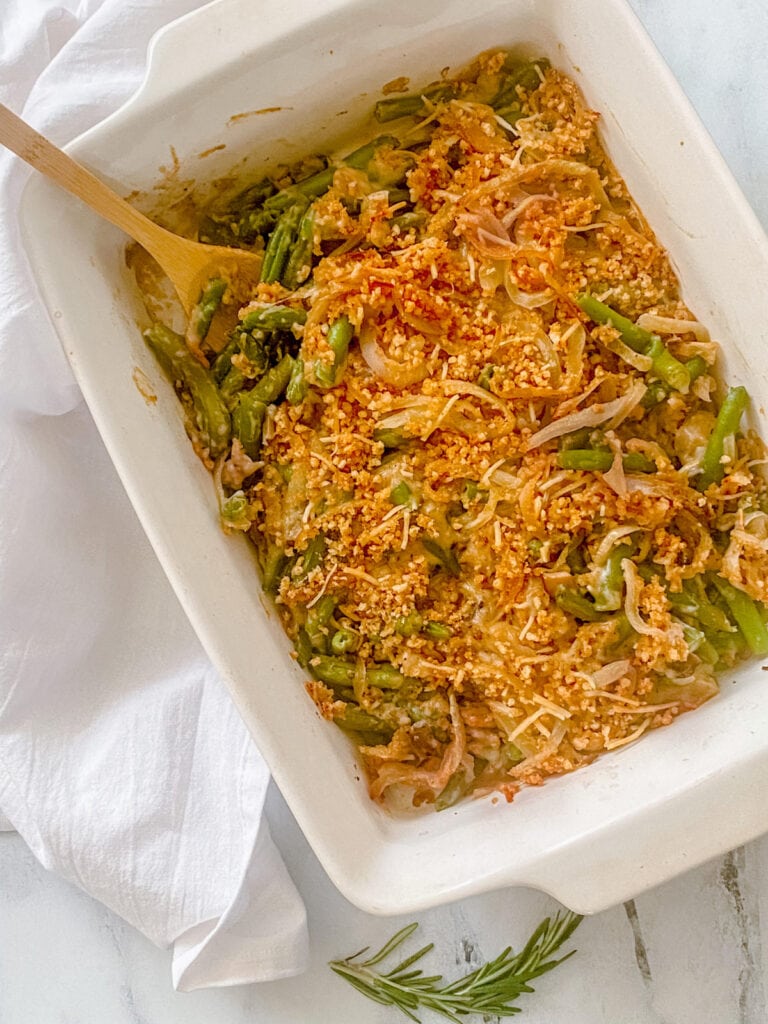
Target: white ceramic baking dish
column 607, row 832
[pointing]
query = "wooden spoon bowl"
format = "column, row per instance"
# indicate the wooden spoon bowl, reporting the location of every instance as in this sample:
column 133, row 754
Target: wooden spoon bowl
column 189, row 265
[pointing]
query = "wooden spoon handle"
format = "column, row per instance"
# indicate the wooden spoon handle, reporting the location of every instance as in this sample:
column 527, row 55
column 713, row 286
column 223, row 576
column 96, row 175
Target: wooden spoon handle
column 54, row 163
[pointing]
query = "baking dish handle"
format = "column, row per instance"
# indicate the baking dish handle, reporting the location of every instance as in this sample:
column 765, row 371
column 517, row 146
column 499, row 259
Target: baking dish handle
column 211, row 37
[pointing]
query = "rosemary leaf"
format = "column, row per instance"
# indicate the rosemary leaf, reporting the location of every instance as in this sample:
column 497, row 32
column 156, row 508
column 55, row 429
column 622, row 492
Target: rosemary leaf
column 489, row 990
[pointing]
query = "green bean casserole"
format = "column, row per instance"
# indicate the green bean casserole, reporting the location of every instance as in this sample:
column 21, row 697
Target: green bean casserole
column 508, row 517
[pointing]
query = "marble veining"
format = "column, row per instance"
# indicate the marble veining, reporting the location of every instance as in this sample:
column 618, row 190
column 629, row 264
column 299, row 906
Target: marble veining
column 689, row 952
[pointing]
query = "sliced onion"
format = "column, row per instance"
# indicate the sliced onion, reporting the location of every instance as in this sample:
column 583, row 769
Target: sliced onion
column 398, row 374
column 611, row 539
column 671, row 325
column 511, row 215
column 391, row 774
column 631, row 606
column 615, row 477
column 528, row 300
column 610, row 673
column 593, row 416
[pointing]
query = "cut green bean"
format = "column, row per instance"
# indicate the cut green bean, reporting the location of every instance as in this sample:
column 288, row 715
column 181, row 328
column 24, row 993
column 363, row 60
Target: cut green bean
column 373, row 730
column 385, row 677
column 574, row 603
column 401, row 494
column 410, row 624
column 282, row 239
column 459, row 784
column 525, row 75
column 726, row 425
column 274, row 382
column 314, row 553
column 318, row 617
column 276, row 563
column 298, row 388
column 339, row 337
column 412, row 106
column 444, row 556
column 212, row 417
column 609, row 588
column 601, row 461
column 746, row 615
column 335, row 672
column 299, row 264
column 390, row 437
column 273, row 318
column 437, row 631
column 209, row 301
column 659, row 390
column 248, row 421
column 663, row 363
column 344, row 641
column 234, row 512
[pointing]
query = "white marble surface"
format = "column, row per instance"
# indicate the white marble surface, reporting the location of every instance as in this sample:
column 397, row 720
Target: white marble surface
column 690, row 952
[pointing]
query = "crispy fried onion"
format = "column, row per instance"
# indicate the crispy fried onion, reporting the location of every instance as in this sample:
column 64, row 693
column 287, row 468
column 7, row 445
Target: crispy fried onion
column 424, row 782
column 612, row 413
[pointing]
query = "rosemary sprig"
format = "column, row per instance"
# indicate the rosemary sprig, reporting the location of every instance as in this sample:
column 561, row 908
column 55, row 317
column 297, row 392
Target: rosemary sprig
column 489, row 990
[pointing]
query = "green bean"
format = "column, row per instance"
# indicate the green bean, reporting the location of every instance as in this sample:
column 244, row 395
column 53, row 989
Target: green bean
column 233, row 383
column 455, row 788
column 339, row 337
column 298, row 388
column 666, row 367
column 664, row 364
column 659, row 390
column 248, row 421
column 273, row 318
column 207, row 304
column 373, row 730
column 411, row 106
column 746, row 614
column 234, row 512
column 274, row 382
column 401, row 494
column 390, row 437
column 212, row 417
column 318, row 617
column 485, row 376
column 521, row 75
column 409, row 625
column 385, row 677
column 276, row 562
column 336, row 672
column 314, row 553
column 574, row 603
column 608, row 590
column 299, row 264
column 726, row 425
column 344, row 641
column 223, row 362
column 282, row 239
column 437, row 631
column 693, row 637
column 601, row 461
column 623, row 634
column 303, row 645
column 444, row 556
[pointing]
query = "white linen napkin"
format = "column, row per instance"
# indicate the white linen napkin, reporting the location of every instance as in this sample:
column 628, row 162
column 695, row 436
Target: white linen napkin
column 123, row 763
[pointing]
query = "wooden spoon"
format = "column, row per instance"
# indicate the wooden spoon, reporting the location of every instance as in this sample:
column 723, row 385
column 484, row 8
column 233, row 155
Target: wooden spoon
column 189, row 265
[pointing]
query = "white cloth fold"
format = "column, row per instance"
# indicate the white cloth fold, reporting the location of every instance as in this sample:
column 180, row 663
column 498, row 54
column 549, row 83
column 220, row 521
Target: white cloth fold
column 123, row 763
